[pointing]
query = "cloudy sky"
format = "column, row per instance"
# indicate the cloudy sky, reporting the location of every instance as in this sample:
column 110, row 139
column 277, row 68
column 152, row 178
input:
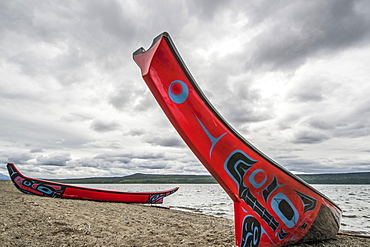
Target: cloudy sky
column 292, row 77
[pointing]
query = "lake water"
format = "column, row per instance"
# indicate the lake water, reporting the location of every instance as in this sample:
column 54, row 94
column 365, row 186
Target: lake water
column 211, row 199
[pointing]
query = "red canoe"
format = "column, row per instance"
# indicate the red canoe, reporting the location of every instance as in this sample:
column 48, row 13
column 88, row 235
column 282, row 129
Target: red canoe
column 272, row 206
column 51, row 189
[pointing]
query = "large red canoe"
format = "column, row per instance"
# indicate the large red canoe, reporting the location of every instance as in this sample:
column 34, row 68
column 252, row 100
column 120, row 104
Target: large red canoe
column 51, row 189
column 272, row 206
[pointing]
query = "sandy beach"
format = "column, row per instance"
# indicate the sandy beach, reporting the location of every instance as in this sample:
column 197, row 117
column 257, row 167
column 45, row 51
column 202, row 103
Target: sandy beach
column 27, row 220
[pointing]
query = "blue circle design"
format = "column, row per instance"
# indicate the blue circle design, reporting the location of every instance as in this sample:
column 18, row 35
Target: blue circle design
column 182, row 96
column 253, row 181
column 27, row 183
column 288, row 214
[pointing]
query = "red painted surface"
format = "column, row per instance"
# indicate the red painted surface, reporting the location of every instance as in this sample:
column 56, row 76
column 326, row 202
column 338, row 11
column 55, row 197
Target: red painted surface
column 283, row 205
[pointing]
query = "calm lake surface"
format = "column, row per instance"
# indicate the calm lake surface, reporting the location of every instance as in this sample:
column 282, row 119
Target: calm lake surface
column 211, row 199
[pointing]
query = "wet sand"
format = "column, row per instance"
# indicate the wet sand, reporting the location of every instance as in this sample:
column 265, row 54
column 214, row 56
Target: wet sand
column 27, row 220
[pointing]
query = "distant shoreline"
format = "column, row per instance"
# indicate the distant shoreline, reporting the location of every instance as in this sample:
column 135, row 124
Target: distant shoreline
column 338, row 178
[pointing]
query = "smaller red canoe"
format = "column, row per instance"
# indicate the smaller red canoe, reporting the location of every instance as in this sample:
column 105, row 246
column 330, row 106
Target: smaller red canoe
column 51, row 189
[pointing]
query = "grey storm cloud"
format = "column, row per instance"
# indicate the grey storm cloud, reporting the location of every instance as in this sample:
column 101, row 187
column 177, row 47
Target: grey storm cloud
column 245, row 105
column 121, row 158
column 132, row 97
column 15, row 157
column 136, row 132
column 208, row 9
column 85, row 31
column 36, row 150
column 300, row 29
column 166, row 141
column 104, row 126
column 351, row 124
column 308, row 92
column 154, row 166
column 309, row 137
column 241, row 114
column 54, row 159
column 357, row 124
column 127, row 157
column 127, row 162
column 76, row 117
column 120, row 99
column 320, row 124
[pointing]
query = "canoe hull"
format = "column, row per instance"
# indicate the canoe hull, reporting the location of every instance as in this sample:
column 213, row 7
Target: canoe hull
column 272, row 206
column 57, row 190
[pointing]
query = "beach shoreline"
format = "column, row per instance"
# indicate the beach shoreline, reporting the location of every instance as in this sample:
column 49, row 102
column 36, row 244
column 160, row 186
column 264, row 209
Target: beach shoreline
column 27, row 220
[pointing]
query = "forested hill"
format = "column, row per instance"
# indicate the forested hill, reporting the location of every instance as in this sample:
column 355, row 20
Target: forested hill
column 340, row 178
